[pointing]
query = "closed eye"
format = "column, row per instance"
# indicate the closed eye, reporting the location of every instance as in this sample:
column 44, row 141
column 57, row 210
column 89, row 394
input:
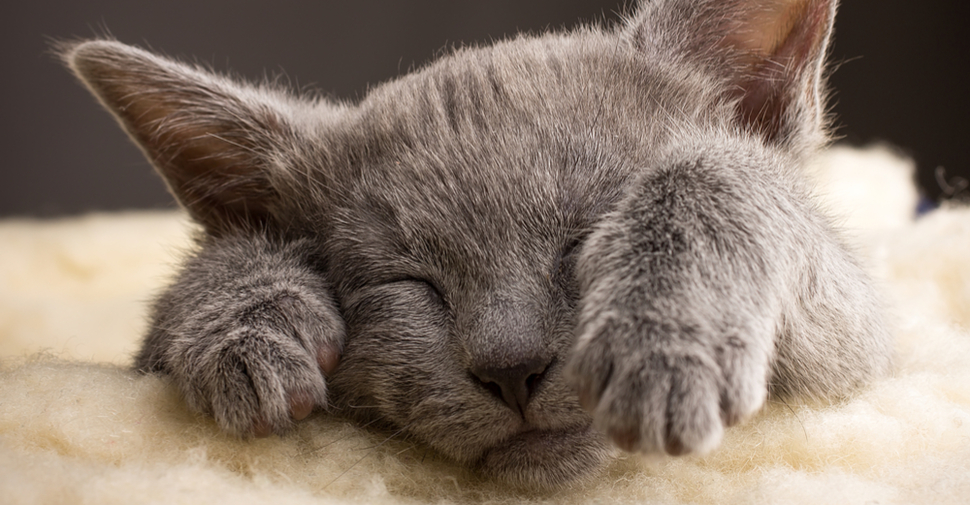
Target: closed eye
column 426, row 286
column 564, row 269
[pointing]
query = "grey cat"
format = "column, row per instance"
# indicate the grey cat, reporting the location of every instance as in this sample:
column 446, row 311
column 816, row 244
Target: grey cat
column 521, row 252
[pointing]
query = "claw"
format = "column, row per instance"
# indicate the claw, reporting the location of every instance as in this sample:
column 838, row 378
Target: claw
column 586, row 400
column 328, row 358
column 625, row 438
column 675, row 447
column 261, row 428
column 300, row 406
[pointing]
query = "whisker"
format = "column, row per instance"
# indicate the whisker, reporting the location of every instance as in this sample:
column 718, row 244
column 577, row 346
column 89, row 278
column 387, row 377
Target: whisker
column 334, row 441
column 795, row 414
column 389, row 437
column 406, row 449
column 366, row 455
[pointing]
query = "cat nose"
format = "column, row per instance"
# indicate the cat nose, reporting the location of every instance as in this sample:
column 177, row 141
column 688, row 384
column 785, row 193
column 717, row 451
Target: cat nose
column 514, row 385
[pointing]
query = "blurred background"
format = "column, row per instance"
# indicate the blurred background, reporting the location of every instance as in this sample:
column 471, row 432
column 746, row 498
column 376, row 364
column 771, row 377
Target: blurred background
column 901, row 77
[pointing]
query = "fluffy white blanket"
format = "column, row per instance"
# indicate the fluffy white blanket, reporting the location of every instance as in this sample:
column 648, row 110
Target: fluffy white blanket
column 76, row 426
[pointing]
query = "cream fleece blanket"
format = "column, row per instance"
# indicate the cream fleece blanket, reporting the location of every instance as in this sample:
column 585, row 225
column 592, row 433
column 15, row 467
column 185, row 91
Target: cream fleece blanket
column 77, row 427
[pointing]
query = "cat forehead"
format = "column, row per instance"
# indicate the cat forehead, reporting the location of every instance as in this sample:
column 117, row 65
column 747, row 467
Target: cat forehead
column 535, row 125
column 423, row 208
column 521, row 87
column 476, row 211
column 507, row 150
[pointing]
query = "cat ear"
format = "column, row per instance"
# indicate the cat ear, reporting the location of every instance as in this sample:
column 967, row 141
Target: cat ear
column 217, row 143
column 771, row 52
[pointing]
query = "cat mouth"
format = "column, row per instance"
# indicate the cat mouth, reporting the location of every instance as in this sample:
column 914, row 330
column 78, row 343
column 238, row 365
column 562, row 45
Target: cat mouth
column 547, row 458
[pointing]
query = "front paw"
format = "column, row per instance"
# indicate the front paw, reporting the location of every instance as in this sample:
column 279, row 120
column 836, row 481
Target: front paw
column 257, row 382
column 248, row 332
column 259, row 368
column 655, row 386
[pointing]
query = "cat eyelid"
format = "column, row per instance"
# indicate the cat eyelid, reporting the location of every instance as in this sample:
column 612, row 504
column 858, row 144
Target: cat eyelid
column 572, row 246
column 566, row 258
column 420, row 280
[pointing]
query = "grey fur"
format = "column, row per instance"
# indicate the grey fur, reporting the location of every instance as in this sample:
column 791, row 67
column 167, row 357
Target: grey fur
column 614, row 213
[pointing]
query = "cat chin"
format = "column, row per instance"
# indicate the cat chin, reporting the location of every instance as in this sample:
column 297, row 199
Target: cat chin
column 547, row 459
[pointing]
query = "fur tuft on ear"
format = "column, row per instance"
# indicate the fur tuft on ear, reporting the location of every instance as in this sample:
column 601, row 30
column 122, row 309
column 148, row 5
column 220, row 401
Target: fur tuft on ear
column 212, row 139
column 770, row 53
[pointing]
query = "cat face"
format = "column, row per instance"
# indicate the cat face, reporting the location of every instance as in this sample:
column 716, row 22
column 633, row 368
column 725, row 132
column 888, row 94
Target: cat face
column 454, row 265
column 448, row 209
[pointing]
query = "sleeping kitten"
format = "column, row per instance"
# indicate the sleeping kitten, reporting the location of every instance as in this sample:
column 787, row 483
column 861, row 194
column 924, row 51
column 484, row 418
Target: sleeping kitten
column 519, row 254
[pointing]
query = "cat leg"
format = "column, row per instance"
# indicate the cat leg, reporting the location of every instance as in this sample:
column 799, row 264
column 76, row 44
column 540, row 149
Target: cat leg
column 694, row 298
column 248, row 332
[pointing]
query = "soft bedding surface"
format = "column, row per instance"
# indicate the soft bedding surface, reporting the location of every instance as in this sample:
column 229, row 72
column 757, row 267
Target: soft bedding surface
column 76, row 426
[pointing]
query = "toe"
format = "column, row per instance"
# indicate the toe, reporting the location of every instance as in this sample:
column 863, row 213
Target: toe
column 328, row 358
column 300, row 406
column 262, row 428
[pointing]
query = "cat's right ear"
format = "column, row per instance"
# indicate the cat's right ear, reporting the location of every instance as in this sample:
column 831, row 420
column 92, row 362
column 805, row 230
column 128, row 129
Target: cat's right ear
column 225, row 149
column 769, row 54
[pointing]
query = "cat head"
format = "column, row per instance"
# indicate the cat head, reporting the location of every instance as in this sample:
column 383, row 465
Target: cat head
column 449, row 205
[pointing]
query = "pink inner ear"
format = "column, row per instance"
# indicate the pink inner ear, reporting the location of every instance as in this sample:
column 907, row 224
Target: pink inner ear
column 776, row 36
column 766, row 26
column 777, row 43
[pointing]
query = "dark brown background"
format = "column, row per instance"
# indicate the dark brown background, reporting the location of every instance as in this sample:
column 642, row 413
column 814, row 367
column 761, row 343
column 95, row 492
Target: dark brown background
column 902, row 75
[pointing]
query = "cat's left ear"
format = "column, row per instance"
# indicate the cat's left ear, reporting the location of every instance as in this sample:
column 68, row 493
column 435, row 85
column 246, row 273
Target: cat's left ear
column 770, row 52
